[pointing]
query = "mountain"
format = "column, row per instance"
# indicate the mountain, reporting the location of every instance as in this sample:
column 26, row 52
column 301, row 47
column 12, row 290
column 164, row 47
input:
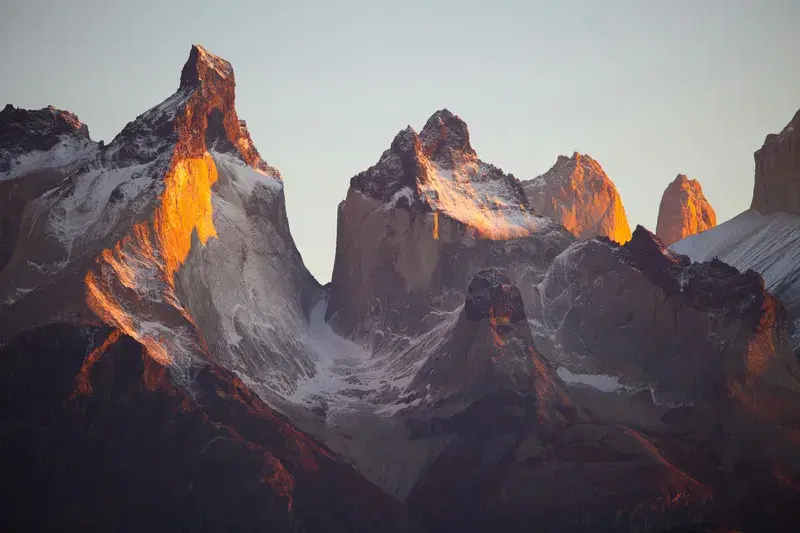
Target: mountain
column 168, row 362
column 645, row 338
column 684, row 211
column 126, row 229
column 174, row 235
column 625, row 426
column 765, row 238
column 578, row 194
column 416, row 227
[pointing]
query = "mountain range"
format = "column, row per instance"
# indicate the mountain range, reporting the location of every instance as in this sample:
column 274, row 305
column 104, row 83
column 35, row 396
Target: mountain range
column 490, row 354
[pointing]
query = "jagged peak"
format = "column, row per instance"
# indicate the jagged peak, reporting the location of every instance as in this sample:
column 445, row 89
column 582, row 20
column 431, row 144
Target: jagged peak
column 446, row 135
column 683, row 178
column 48, row 130
column 200, row 116
column 406, row 141
column 202, row 66
column 578, row 160
column 48, row 120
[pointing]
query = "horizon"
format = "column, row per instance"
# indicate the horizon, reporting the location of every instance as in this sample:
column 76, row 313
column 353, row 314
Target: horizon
column 638, row 116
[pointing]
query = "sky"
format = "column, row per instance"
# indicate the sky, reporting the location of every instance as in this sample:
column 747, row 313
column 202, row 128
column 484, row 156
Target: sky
column 648, row 88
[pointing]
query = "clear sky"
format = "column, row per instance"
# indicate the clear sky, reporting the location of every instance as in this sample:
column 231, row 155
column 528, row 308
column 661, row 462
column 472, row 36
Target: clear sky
column 648, row 88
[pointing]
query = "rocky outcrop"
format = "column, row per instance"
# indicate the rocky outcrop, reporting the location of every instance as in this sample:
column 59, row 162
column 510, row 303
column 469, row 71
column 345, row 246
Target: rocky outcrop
column 777, row 180
column 578, row 194
column 416, row 227
column 766, row 237
column 658, row 310
column 513, row 435
column 684, row 211
column 109, row 442
column 490, row 348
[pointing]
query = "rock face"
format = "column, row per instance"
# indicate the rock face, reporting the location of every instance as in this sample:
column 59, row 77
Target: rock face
column 684, row 211
column 513, row 435
column 110, row 443
column 490, row 348
column 777, row 182
column 766, row 238
column 578, row 194
column 419, row 224
column 658, row 310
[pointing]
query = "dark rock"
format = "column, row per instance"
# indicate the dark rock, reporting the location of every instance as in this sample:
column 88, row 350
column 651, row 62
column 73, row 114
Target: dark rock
column 111, row 442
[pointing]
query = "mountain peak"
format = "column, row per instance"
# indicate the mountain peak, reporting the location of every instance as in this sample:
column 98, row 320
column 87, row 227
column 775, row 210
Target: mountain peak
column 577, row 193
column 684, row 211
column 39, row 122
column 203, row 66
column 777, row 187
column 445, row 137
column 38, row 130
column 406, row 141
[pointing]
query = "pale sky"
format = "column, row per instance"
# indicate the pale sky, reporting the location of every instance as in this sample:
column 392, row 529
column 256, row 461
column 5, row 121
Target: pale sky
column 648, row 88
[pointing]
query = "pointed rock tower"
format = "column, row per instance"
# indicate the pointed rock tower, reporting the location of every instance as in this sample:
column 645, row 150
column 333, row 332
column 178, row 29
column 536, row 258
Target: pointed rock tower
column 684, row 211
column 777, row 183
column 578, row 194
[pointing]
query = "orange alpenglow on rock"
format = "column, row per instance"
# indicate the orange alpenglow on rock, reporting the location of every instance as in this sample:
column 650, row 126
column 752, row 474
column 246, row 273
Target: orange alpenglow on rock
column 684, row 211
column 199, row 117
column 579, row 195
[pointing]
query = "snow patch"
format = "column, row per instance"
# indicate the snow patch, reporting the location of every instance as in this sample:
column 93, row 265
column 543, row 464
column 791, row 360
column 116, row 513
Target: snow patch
column 245, row 177
column 65, row 152
column 405, row 192
column 75, row 215
column 471, row 194
column 601, row 382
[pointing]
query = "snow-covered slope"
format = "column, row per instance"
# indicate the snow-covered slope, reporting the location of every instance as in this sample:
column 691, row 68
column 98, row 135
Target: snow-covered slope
column 768, row 244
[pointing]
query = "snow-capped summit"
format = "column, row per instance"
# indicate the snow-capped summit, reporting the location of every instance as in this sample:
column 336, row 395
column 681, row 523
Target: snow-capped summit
column 684, row 211
column 439, row 171
column 577, row 193
column 429, row 195
column 32, row 139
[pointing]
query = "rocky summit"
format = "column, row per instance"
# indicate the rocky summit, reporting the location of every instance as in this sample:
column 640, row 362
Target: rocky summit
column 577, row 193
column 777, row 180
column 684, row 211
column 490, row 355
